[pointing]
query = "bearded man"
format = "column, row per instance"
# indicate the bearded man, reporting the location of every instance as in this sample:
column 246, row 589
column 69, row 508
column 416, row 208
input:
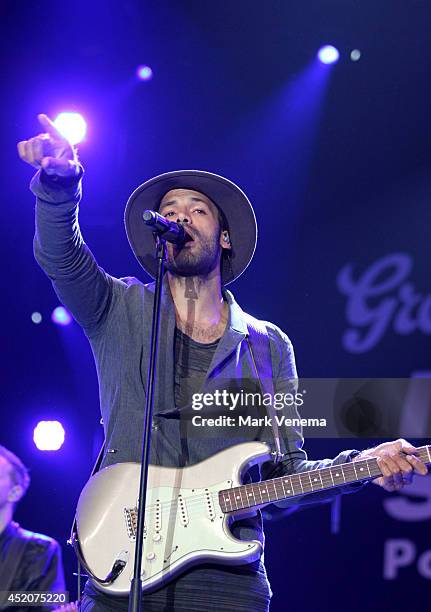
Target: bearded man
column 204, row 338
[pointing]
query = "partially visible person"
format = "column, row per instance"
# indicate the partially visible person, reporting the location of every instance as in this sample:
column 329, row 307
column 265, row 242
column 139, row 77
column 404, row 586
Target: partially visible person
column 28, row 561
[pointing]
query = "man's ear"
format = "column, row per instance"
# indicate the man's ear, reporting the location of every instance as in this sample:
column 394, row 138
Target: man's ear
column 15, row 494
column 225, row 240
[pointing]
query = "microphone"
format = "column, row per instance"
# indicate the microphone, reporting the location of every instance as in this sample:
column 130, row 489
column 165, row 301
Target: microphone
column 168, row 230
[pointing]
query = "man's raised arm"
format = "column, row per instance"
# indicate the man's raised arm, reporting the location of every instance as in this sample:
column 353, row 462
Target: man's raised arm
column 83, row 287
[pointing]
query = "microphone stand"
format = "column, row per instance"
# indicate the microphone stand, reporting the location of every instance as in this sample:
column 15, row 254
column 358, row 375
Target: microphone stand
column 135, row 597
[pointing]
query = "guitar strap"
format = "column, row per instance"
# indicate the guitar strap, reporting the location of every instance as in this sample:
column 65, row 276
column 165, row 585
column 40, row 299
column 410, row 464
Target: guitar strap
column 260, row 352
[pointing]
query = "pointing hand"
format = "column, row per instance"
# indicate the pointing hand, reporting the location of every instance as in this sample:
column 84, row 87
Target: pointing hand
column 50, row 151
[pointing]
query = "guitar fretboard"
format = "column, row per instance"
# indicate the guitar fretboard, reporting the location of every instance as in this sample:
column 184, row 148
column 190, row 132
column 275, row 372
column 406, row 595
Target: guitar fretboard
column 303, row 483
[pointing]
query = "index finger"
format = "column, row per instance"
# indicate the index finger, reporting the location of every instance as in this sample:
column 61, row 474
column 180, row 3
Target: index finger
column 49, row 126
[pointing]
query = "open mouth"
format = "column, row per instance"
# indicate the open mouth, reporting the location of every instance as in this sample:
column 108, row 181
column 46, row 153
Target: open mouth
column 189, row 237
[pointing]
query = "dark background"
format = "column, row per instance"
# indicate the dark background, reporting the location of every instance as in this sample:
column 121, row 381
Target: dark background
column 336, row 161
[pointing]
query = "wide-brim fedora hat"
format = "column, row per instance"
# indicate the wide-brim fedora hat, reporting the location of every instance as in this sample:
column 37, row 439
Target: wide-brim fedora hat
column 226, row 195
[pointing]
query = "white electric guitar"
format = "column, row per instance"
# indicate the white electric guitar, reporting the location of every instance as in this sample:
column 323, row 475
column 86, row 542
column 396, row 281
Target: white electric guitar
column 188, row 513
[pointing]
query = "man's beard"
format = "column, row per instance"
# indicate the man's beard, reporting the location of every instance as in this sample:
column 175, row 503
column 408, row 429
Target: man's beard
column 197, row 260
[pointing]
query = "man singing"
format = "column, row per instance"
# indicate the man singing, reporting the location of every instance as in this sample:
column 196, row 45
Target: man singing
column 204, row 337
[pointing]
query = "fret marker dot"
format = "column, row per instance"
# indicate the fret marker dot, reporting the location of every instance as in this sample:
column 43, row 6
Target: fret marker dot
column 315, row 480
column 237, row 496
column 337, row 474
column 288, row 490
column 361, row 469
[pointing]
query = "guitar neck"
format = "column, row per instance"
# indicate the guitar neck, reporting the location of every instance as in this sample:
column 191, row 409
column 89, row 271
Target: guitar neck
column 277, row 489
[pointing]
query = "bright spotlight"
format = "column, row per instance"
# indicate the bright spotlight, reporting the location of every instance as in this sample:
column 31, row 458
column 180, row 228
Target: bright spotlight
column 36, row 317
column 49, row 435
column 328, row 54
column 144, row 73
column 72, row 126
column 61, row 316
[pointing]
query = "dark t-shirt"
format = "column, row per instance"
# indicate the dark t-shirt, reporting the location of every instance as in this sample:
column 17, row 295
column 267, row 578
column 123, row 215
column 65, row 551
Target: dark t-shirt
column 192, row 362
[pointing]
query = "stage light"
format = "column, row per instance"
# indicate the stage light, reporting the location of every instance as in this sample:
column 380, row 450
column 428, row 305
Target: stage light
column 355, row 55
column 144, row 73
column 36, row 317
column 61, row 316
column 328, row 54
column 49, row 435
column 72, row 126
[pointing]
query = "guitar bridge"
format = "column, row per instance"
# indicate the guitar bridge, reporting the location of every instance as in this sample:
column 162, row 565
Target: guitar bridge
column 131, row 516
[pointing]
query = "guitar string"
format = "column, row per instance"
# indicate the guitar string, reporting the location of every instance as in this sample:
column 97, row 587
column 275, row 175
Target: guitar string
column 199, row 499
column 258, row 488
column 198, row 507
column 262, row 487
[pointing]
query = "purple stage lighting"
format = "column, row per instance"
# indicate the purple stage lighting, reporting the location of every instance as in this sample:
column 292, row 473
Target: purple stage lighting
column 144, row 73
column 36, row 317
column 328, row 54
column 61, row 316
column 72, row 126
column 48, row 435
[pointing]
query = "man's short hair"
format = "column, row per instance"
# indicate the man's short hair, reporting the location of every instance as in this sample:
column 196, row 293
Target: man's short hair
column 18, row 473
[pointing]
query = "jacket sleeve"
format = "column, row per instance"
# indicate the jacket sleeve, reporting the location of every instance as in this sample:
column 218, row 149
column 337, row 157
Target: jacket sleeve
column 295, row 457
column 80, row 284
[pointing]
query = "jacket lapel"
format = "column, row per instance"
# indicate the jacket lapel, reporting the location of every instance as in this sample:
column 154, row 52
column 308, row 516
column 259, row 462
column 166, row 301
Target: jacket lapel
column 236, row 331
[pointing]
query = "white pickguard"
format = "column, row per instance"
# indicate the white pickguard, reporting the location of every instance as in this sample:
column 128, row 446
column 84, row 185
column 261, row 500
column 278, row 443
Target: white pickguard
column 184, row 524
